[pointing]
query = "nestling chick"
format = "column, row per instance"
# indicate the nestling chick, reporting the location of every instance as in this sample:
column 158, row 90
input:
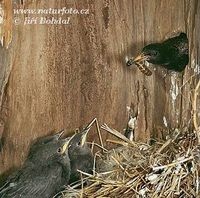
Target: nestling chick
column 43, row 141
column 44, row 178
column 130, row 129
column 132, row 122
column 81, row 157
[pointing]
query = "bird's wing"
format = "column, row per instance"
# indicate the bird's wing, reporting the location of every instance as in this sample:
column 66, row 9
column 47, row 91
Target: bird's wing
column 35, row 183
column 10, row 182
column 179, row 43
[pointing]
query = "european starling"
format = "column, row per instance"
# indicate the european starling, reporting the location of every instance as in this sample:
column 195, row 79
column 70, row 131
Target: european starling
column 43, row 141
column 172, row 54
column 81, row 157
column 44, row 178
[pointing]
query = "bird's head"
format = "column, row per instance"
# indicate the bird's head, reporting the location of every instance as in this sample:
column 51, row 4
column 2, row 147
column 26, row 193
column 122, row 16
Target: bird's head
column 49, row 152
column 150, row 53
column 45, row 140
column 78, row 145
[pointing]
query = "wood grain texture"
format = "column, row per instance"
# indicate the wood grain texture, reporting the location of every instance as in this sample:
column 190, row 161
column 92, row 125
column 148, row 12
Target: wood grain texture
column 64, row 75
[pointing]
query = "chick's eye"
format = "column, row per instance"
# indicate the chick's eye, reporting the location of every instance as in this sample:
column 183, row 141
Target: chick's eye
column 59, row 150
column 78, row 143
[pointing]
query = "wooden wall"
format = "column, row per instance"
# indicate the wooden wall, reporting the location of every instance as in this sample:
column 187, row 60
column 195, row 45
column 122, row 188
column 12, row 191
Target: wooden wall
column 62, row 76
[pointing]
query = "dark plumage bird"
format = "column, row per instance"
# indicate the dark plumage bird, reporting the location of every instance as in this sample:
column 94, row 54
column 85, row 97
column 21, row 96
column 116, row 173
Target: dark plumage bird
column 43, row 141
column 172, row 54
column 81, row 157
column 44, row 178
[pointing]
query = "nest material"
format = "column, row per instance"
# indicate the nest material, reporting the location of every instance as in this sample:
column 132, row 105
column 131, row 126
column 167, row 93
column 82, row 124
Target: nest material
column 165, row 169
column 168, row 169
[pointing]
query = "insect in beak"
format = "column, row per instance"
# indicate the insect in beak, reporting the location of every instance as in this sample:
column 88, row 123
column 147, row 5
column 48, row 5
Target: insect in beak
column 141, row 66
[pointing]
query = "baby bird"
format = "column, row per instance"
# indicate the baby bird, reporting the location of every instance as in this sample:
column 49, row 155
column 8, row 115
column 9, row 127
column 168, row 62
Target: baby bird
column 81, row 157
column 43, row 141
column 130, row 129
column 172, row 54
column 43, row 174
column 131, row 125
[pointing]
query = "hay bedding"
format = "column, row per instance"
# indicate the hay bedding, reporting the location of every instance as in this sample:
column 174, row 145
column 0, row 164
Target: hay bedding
column 167, row 169
column 164, row 169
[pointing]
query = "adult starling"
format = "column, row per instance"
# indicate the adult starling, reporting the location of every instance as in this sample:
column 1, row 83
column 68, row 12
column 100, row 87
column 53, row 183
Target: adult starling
column 44, row 178
column 172, row 54
column 81, row 157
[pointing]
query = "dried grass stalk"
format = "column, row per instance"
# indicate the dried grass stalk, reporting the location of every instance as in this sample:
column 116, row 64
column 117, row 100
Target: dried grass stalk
column 169, row 169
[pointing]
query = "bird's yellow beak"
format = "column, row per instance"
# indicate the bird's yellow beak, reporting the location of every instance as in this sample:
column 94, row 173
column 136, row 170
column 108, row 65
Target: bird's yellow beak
column 84, row 137
column 85, row 132
column 66, row 145
column 140, row 57
column 59, row 134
